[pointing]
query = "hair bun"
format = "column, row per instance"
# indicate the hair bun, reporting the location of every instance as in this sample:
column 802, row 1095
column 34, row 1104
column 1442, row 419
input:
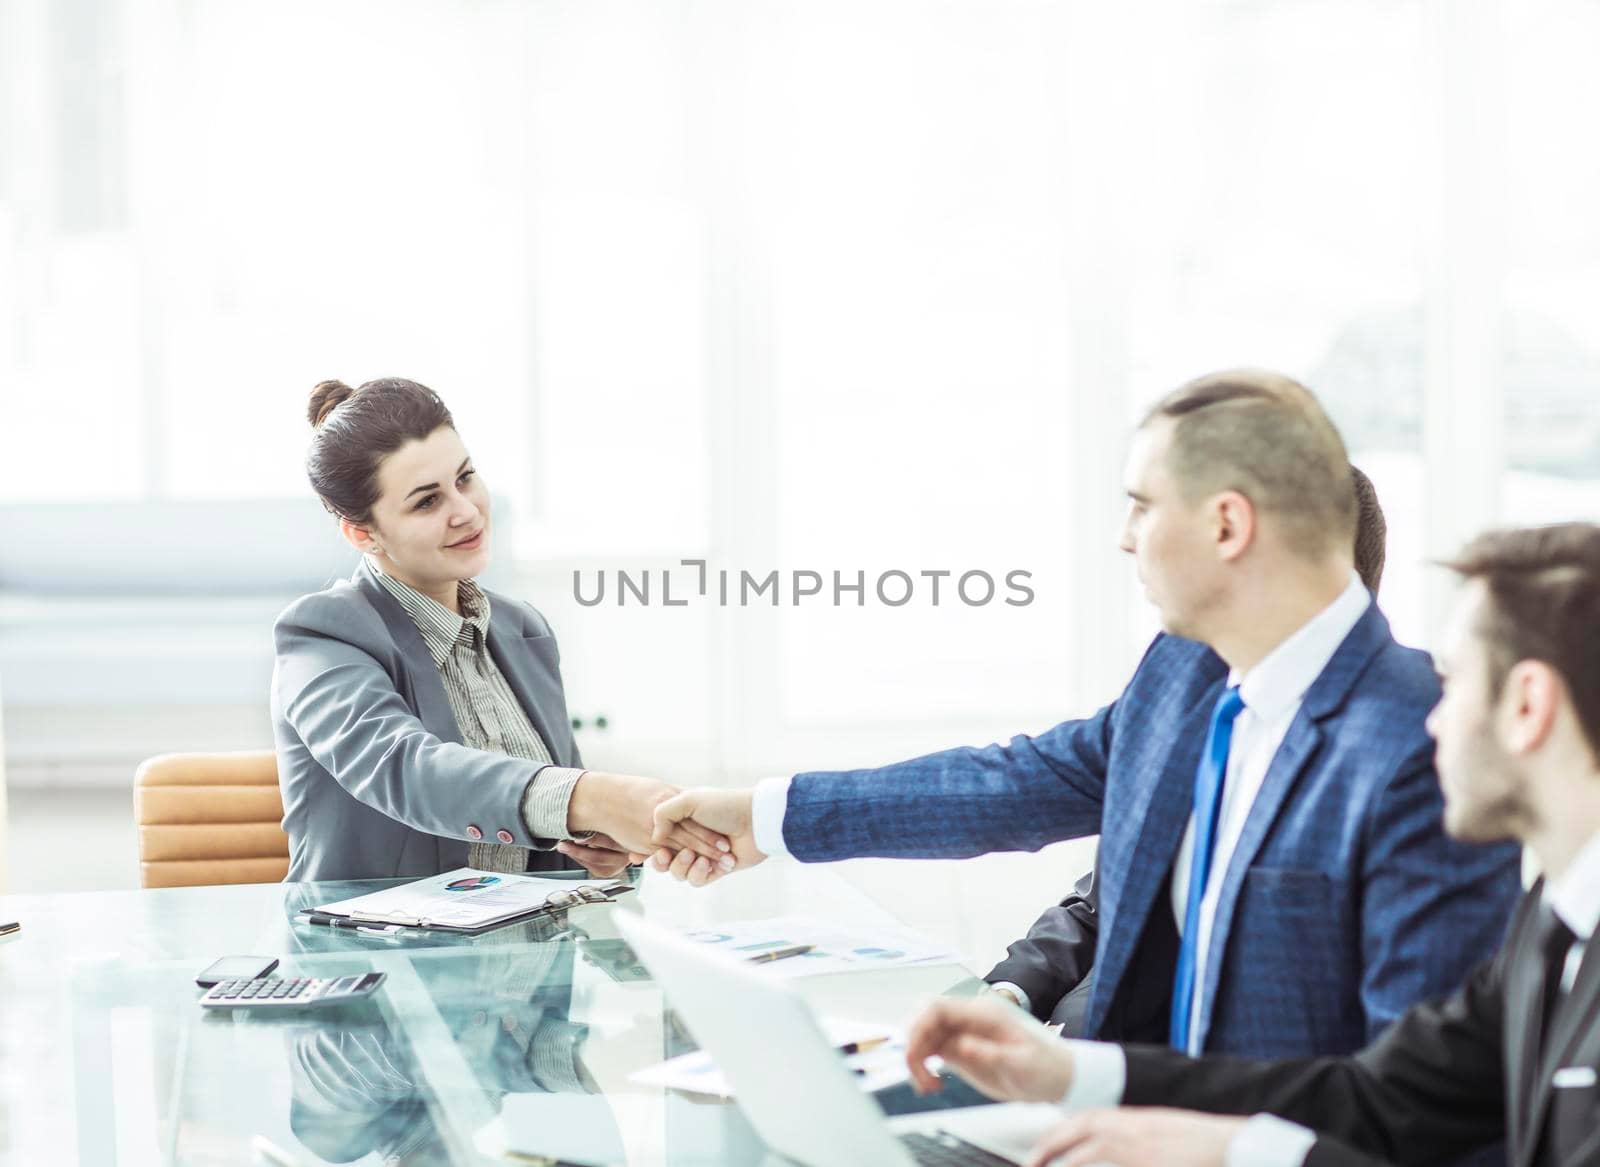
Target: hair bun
column 325, row 398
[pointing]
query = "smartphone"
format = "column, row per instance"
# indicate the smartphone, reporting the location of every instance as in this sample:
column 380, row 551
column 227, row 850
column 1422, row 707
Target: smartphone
column 236, row 968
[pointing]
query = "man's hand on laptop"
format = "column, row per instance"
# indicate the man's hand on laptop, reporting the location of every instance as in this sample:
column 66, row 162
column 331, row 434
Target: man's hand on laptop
column 1138, row 1137
column 1000, row 1050
column 716, row 812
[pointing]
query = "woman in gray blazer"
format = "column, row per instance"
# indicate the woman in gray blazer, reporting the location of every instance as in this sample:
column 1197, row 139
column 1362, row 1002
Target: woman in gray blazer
column 419, row 718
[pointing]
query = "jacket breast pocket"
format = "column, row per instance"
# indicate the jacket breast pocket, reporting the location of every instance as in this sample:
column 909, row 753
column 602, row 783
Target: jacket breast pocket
column 544, row 645
column 547, row 674
column 1293, row 892
column 1295, row 927
column 1575, row 1108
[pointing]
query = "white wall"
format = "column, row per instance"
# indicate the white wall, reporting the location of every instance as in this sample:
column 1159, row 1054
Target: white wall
column 820, row 286
column 5, row 831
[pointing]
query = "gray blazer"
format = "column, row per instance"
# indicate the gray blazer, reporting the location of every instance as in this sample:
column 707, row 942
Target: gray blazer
column 376, row 781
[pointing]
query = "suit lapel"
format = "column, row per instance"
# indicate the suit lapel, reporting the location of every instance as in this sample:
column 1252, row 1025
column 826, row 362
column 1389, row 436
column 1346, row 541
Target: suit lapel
column 521, row 670
column 1568, row 1026
column 1585, row 1152
column 427, row 688
column 1138, row 847
column 1521, row 1040
column 1298, row 747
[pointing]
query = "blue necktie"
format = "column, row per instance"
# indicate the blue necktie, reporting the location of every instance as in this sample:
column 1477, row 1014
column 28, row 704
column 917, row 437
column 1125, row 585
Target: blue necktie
column 1208, row 781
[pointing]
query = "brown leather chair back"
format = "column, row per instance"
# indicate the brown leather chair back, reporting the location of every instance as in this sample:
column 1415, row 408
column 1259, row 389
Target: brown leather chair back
column 210, row 818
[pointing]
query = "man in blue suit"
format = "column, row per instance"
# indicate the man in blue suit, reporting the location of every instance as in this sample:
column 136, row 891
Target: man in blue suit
column 1274, row 875
column 1050, row 971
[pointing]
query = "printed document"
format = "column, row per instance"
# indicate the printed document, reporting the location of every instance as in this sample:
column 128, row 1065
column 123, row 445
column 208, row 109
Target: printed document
column 467, row 900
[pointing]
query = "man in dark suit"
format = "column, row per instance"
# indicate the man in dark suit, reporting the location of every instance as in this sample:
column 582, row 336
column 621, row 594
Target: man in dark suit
column 1274, row 878
column 1049, row 971
column 1512, row 1054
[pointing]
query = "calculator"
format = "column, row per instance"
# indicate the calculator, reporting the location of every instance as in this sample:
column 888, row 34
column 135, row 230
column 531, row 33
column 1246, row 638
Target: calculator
column 290, row 992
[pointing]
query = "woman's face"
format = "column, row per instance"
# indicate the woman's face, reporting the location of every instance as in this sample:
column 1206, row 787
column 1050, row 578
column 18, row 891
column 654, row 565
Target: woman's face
column 431, row 520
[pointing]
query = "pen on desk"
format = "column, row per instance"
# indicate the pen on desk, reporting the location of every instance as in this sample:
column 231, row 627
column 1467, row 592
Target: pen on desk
column 378, row 931
column 323, row 920
column 782, row 953
column 9, row 930
column 862, row 1046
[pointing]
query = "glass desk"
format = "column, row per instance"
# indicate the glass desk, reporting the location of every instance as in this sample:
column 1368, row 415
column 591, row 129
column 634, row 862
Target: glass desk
column 106, row 1059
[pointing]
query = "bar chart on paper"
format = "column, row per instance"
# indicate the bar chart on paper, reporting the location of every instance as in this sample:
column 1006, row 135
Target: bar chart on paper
column 833, row 948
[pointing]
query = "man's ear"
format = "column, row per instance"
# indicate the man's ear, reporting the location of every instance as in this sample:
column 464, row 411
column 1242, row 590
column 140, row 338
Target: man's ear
column 1529, row 702
column 1233, row 524
column 358, row 536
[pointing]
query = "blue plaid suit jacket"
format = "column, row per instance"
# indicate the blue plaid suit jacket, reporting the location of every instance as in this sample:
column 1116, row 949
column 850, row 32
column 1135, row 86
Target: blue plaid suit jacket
column 1344, row 902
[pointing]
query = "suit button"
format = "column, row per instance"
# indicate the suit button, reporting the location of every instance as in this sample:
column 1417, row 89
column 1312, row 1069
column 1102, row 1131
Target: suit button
column 473, row 832
column 505, row 836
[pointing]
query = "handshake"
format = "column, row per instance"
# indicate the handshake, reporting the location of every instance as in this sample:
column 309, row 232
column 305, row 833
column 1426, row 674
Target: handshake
column 702, row 834
column 699, row 835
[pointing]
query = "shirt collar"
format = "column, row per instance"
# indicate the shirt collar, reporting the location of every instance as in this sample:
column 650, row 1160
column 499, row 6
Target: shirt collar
column 1575, row 897
column 441, row 628
column 1279, row 681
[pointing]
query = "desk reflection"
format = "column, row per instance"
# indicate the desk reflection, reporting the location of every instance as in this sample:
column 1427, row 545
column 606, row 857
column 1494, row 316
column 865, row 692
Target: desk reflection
column 355, row 1085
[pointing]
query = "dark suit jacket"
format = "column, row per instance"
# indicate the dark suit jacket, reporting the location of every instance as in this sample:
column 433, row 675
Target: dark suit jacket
column 376, row 781
column 1450, row 1076
column 1054, row 962
column 1344, row 902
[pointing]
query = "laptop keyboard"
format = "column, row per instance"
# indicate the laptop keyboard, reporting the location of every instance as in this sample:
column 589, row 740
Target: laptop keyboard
column 945, row 1150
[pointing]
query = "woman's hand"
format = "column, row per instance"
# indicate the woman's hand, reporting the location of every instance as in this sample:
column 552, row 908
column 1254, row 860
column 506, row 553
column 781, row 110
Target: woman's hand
column 602, row 855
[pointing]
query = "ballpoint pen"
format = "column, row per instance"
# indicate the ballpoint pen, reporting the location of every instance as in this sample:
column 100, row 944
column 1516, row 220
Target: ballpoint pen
column 322, row 920
column 862, row 1046
column 782, row 953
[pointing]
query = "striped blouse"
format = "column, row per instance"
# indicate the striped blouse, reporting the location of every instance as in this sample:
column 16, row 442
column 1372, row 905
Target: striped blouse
column 488, row 713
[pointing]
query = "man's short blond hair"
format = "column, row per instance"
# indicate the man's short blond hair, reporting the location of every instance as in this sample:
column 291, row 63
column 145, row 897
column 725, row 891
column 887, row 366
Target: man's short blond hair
column 1266, row 436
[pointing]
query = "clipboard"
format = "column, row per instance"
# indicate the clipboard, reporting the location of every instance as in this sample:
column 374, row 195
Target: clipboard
column 469, row 901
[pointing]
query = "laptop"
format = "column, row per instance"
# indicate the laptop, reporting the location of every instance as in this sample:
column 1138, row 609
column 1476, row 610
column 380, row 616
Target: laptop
column 796, row 1089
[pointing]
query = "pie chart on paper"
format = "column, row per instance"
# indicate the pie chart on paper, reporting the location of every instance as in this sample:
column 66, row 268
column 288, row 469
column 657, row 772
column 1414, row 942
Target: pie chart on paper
column 473, row 883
